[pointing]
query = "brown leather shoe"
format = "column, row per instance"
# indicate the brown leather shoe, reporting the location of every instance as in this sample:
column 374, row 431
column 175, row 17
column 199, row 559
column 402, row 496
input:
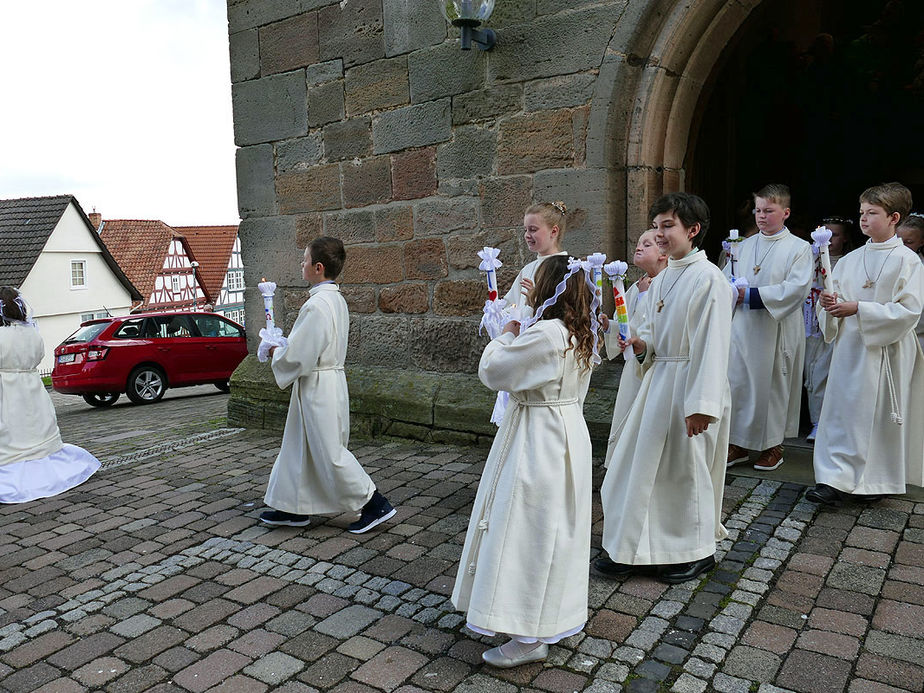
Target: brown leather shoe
column 769, row 459
column 736, row 454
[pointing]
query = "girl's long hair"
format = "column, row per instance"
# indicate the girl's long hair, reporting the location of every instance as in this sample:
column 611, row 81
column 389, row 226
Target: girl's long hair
column 11, row 309
column 572, row 307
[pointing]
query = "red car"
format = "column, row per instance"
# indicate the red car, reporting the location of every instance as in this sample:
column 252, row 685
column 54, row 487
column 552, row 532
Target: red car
column 142, row 355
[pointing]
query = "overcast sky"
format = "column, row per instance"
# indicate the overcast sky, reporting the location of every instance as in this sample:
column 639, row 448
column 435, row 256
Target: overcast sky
column 124, row 103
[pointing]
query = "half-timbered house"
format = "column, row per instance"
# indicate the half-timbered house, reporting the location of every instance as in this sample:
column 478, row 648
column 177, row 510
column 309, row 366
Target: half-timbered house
column 218, row 250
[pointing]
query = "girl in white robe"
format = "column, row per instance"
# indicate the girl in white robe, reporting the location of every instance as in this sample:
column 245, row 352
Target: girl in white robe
column 34, row 461
column 662, row 493
column 870, row 437
column 523, row 569
column 544, row 225
column 650, row 259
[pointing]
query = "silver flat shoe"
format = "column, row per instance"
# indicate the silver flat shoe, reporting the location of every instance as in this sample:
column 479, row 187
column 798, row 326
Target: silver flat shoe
column 498, row 659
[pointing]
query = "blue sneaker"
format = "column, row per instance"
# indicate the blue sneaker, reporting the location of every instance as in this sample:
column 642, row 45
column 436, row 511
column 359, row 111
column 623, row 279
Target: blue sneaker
column 283, row 519
column 374, row 513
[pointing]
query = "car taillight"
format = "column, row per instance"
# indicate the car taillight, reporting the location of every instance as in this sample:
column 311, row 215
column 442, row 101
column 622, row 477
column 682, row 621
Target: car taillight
column 97, row 353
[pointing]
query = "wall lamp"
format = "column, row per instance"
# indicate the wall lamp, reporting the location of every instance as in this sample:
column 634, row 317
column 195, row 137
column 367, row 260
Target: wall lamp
column 468, row 16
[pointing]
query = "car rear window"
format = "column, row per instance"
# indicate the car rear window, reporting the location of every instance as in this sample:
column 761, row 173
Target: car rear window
column 87, row 333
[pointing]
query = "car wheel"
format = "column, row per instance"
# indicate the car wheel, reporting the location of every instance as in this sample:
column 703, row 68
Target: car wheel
column 101, row 399
column 224, row 386
column 146, row 384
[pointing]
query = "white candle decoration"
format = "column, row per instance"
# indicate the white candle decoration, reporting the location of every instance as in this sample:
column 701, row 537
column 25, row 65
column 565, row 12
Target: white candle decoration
column 489, row 265
column 268, row 290
column 822, row 238
column 733, row 240
column 596, row 262
column 616, row 271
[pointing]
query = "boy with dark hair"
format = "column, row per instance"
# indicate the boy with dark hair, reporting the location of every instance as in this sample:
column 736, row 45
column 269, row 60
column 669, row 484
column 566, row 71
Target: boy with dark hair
column 314, row 473
column 662, row 493
column 768, row 334
column 870, row 438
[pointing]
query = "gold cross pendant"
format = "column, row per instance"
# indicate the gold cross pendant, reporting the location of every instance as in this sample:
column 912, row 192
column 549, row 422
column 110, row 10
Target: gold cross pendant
column 868, row 284
column 660, row 305
column 756, row 269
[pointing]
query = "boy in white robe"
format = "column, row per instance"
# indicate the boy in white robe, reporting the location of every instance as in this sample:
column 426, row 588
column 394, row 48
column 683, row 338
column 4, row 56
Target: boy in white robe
column 662, row 493
column 314, row 472
column 911, row 231
column 871, row 438
column 768, row 335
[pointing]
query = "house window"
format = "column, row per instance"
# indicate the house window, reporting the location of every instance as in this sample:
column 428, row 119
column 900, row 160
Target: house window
column 175, row 283
column 235, row 281
column 78, row 274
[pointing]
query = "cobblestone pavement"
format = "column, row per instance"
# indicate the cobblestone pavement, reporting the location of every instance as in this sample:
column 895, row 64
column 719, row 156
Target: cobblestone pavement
column 155, row 575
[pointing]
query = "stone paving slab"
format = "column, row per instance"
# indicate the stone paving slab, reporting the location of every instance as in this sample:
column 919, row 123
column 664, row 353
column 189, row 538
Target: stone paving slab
column 155, row 575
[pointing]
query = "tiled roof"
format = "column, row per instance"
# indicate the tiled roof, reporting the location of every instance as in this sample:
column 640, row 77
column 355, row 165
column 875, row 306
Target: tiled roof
column 25, row 225
column 140, row 246
column 212, row 246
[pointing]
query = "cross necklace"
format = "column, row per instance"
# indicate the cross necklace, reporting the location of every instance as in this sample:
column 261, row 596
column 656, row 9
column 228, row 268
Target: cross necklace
column 757, row 263
column 661, row 297
column 869, row 282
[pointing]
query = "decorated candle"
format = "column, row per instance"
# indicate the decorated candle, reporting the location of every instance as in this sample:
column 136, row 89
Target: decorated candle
column 617, row 273
column 822, row 238
column 596, row 262
column 268, row 290
column 489, row 265
column 732, row 252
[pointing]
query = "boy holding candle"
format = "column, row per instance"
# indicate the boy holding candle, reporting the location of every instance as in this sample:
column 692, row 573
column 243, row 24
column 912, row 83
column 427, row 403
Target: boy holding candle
column 314, row 472
column 870, row 439
column 768, row 337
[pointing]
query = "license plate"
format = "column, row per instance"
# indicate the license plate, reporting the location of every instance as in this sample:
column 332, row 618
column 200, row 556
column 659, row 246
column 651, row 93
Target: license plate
column 66, row 358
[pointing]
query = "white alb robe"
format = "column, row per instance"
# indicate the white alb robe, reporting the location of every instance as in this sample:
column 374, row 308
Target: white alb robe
column 662, row 493
column 516, row 295
column 817, row 350
column 314, row 472
column 34, row 461
column 860, row 448
column 523, row 569
column 630, row 380
column 919, row 328
column 768, row 344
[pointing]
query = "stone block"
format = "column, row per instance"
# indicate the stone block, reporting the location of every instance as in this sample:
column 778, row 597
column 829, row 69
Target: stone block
column 247, row 14
column 446, row 345
column 360, row 299
column 554, row 6
column 366, row 181
column 444, row 70
column 289, row 44
column 586, row 192
column 512, row 12
column 439, row 216
column 268, row 248
column 404, row 298
column 579, row 120
column 245, row 55
column 425, row 259
column 411, row 126
column 270, row 108
column 394, row 394
column 504, row 200
column 352, row 31
column 462, row 248
column 319, row 73
column 559, row 92
column 562, row 44
column 537, row 141
column 459, row 297
column 354, row 226
column 348, row 139
column 487, row 104
column 413, row 173
column 255, row 181
column 298, row 154
column 307, row 228
column 325, row 103
column 377, row 85
column 374, row 265
column 470, row 153
column 315, row 189
column 411, row 24
column 394, row 223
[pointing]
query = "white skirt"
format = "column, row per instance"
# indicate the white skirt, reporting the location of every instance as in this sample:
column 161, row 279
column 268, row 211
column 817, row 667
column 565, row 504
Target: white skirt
column 21, row 482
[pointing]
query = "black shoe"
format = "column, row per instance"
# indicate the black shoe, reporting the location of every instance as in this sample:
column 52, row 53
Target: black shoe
column 866, row 497
column 681, row 572
column 824, row 494
column 375, row 512
column 278, row 517
column 604, row 567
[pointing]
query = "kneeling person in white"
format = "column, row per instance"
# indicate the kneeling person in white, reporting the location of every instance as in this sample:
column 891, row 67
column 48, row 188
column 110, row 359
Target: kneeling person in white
column 871, row 433
column 523, row 569
column 662, row 493
column 315, row 473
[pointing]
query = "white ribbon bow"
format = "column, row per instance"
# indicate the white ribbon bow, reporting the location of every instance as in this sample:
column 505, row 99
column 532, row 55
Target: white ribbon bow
column 616, row 269
column 489, row 259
